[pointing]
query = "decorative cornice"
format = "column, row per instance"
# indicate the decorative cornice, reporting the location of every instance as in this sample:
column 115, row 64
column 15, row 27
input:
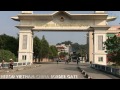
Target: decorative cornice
column 25, row 26
column 50, row 16
column 111, row 18
column 27, row 12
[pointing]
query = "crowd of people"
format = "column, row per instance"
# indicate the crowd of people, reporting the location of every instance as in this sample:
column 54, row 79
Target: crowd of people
column 10, row 65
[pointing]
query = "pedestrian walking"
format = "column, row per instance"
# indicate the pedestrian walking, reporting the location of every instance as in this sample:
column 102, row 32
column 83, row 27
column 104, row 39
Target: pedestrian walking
column 77, row 60
column 11, row 64
column 0, row 66
column 90, row 63
column 3, row 63
column 57, row 61
column 65, row 60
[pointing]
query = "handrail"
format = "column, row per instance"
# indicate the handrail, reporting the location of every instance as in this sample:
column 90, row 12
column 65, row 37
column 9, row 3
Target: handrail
column 107, row 69
column 16, row 64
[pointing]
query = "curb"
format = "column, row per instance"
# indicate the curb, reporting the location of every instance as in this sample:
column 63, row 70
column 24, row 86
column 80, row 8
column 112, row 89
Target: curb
column 84, row 73
column 20, row 69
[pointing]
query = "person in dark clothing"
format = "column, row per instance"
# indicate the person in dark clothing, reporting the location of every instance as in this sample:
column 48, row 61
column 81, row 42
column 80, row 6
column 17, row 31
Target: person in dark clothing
column 77, row 60
column 2, row 65
column 90, row 63
column 57, row 61
column 11, row 64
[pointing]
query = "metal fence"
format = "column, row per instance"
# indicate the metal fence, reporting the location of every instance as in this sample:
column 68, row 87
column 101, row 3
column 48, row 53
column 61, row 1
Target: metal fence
column 16, row 64
column 107, row 69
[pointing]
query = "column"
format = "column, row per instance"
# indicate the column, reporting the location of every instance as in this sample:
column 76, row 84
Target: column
column 25, row 53
column 90, row 36
column 99, row 50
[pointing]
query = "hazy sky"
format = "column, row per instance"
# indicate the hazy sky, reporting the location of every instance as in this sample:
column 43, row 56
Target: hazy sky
column 7, row 26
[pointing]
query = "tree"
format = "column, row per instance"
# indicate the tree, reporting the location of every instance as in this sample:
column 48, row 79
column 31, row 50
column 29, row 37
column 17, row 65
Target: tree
column 44, row 48
column 83, row 50
column 9, row 43
column 37, row 48
column 112, row 46
column 6, row 55
column 53, row 52
column 65, row 42
column 75, row 47
column 62, row 54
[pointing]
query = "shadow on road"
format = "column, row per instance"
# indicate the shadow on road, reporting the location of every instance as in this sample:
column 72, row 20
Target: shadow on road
column 71, row 68
column 43, row 63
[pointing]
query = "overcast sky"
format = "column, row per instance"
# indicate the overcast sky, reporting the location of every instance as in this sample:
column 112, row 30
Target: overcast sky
column 7, row 26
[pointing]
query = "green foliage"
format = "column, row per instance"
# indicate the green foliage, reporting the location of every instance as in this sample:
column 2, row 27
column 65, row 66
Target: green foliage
column 62, row 54
column 9, row 43
column 53, row 52
column 112, row 45
column 80, row 49
column 37, row 47
column 75, row 47
column 65, row 42
column 6, row 55
column 78, row 55
column 44, row 48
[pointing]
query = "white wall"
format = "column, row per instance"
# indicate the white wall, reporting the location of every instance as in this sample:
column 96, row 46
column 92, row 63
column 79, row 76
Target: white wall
column 100, row 62
column 99, row 53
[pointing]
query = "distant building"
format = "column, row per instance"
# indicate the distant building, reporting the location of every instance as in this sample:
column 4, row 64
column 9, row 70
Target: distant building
column 114, row 30
column 64, row 48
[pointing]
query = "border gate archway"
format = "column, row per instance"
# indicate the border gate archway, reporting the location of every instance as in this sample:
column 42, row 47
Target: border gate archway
column 95, row 24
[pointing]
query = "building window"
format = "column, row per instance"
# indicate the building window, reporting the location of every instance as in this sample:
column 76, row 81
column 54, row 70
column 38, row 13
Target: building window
column 24, row 46
column 100, row 59
column 24, row 57
column 100, row 42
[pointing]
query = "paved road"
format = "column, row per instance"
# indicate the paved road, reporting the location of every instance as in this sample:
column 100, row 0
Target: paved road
column 56, row 71
column 47, row 71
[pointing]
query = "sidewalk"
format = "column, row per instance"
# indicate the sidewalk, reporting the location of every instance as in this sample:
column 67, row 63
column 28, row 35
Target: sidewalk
column 6, row 70
column 95, row 74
